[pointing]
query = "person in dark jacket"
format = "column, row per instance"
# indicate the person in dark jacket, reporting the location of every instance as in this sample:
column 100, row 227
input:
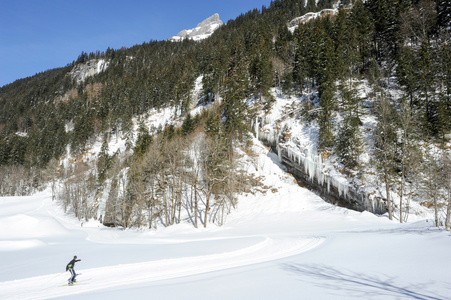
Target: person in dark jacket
column 70, row 267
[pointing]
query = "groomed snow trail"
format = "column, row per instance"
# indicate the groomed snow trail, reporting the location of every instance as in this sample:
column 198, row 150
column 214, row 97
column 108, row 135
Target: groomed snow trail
column 49, row 286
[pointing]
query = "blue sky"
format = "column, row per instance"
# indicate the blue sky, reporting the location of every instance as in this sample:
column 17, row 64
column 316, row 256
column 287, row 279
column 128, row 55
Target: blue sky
column 37, row 35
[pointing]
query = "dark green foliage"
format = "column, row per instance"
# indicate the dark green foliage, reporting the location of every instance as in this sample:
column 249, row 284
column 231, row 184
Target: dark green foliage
column 425, row 86
column 326, row 90
column 348, row 142
column 364, row 28
column 143, row 141
column 103, row 162
column 189, row 125
column 385, row 19
column 444, row 102
column 325, row 121
column 407, row 73
column 236, row 90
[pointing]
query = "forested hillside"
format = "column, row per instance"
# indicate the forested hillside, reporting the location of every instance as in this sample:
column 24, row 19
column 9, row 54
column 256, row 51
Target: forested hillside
column 399, row 49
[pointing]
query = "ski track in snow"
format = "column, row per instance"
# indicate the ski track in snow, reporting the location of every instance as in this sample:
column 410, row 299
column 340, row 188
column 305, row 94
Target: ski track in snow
column 50, row 286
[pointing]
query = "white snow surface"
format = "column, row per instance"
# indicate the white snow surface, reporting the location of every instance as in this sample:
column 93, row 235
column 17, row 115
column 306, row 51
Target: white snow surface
column 286, row 243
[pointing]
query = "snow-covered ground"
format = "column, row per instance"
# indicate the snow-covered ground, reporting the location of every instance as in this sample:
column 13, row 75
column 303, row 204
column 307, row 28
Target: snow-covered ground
column 284, row 244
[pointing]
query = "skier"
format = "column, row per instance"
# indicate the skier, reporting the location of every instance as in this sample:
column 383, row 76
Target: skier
column 70, row 267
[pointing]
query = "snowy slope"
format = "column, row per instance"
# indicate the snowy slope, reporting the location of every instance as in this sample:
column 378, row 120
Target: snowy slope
column 285, row 243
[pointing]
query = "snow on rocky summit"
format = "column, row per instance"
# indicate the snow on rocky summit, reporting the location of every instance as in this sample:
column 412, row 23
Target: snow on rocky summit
column 203, row 30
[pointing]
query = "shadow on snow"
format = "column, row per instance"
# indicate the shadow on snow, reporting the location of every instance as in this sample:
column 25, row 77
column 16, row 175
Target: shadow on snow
column 364, row 285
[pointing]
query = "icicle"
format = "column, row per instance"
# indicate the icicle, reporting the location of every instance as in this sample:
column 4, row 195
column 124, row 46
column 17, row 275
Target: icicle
column 257, row 129
column 319, row 177
column 342, row 189
column 311, row 166
column 279, row 153
column 305, row 162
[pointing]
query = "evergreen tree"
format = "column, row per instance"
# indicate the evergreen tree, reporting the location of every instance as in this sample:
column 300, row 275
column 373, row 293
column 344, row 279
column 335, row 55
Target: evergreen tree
column 407, row 74
column 260, row 66
column 348, row 141
column 344, row 37
column 425, row 86
column 384, row 14
column 143, row 141
column 300, row 68
column 236, row 89
column 364, row 27
column 188, row 125
column 444, row 97
column 326, row 93
column 103, row 162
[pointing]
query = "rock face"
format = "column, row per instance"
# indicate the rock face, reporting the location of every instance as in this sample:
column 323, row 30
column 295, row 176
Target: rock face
column 82, row 71
column 293, row 24
column 202, row 31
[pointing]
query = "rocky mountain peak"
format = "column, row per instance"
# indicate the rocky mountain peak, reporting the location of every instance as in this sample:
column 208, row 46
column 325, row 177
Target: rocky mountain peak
column 203, row 30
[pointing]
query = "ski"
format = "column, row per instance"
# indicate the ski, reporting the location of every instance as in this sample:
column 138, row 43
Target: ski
column 77, row 282
column 68, row 284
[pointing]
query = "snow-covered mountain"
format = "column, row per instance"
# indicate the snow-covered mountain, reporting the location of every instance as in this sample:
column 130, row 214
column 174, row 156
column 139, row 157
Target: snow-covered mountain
column 203, row 30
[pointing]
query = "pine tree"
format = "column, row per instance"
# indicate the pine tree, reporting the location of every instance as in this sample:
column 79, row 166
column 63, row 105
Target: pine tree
column 188, row 125
column 326, row 93
column 425, row 86
column 361, row 21
column 444, row 96
column 406, row 72
column 236, row 89
column 143, row 141
column 259, row 45
column 349, row 142
column 300, row 68
column 384, row 15
column 103, row 162
column 344, row 37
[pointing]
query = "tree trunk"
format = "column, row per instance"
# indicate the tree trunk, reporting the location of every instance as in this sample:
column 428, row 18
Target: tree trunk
column 401, row 198
column 207, row 208
column 436, row 212
column 195, row 203
column 448, row 213
column 387, row 190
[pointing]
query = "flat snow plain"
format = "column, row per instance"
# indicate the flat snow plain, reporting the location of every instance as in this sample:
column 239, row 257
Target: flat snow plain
column 284, row 244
